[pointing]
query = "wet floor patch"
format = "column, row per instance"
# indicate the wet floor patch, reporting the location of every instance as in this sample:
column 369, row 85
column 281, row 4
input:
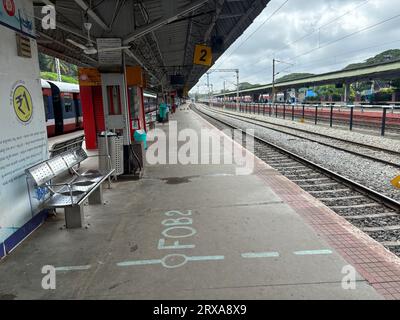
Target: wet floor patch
column 178, row 180
column 128, row 177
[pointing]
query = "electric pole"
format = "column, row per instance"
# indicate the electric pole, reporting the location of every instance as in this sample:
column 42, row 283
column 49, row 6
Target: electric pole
column 224, row 92
column 274, row 61
column 273, row 81
column 237, row 81
column 212, row 93
column 208, row 86
column 237, row 90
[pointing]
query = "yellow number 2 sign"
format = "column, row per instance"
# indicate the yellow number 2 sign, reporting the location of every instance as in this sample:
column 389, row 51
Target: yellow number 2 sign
column 22, row 102
column 396, row 182
column 202, row 55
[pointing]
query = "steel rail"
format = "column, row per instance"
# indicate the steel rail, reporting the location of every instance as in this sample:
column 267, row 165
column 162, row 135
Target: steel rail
column 314, row 133
column 393, row 164
column 368, row 192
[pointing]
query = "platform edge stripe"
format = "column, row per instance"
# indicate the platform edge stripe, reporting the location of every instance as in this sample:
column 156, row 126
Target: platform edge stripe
column 254, row 255
column 205, row 258
column 313, row 252
column 138, row 263
column 73, row 268
column 25, row 231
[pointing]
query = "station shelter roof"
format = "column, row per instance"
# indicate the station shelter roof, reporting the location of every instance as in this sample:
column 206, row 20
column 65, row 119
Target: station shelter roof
column 160, row 34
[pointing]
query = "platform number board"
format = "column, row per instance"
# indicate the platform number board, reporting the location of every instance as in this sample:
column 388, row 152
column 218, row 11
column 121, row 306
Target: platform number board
column 202, row 55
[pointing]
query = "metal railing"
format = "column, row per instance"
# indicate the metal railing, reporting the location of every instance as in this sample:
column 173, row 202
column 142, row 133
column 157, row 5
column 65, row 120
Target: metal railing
column 368, row 117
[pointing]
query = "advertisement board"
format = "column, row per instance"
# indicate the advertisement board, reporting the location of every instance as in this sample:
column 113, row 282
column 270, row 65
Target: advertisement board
column 23, row 137
column 16, row 15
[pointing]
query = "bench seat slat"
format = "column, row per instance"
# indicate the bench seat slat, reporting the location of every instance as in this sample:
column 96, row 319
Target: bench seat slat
column 41, row 173
column 57, row 165
column 59, row 200
column 70, row 159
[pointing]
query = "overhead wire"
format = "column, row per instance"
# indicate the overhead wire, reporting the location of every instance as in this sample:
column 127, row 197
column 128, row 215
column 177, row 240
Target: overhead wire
column 323, row 26
column 256, row 30
column 328, row 59
column 337, row 40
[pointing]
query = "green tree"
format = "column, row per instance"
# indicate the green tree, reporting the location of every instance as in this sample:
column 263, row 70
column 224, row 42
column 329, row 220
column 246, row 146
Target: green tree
column 48, row 64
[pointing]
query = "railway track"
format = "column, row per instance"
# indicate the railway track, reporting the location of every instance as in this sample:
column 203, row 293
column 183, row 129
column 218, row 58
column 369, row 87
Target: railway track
column 374, row 213
column 374, row 153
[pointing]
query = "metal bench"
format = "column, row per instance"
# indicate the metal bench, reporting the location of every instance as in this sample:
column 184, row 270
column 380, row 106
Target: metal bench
column 63, row 146
column 71, row 193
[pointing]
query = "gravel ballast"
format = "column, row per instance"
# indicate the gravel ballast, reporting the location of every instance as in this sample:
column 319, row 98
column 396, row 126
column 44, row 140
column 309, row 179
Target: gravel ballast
column 376, row 176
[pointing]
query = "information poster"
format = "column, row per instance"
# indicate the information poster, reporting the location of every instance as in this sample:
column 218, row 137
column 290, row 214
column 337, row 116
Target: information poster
column 23, row 143
column 23, row 137
column 15, row 14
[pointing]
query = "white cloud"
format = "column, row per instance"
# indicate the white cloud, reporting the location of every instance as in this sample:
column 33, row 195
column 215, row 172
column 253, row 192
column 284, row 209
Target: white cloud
column 302, row 19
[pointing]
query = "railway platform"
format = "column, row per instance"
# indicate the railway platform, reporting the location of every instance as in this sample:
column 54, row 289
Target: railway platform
column 202, row 231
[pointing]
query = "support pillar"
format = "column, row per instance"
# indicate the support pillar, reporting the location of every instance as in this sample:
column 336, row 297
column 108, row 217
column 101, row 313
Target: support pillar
column 97, row 196
column 296, row 95
column 256, row 98
column 346, row 98
column 74, row 216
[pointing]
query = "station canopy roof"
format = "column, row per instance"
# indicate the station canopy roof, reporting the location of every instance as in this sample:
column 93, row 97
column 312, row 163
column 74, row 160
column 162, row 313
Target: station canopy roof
column 160, row 34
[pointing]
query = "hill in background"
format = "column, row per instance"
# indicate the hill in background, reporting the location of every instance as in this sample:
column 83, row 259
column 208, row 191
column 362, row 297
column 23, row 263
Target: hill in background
column 386, row 56
column 294, row 76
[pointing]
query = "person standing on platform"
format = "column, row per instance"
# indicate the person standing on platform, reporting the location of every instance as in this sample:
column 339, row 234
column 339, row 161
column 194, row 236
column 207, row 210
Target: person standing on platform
column 163, row 111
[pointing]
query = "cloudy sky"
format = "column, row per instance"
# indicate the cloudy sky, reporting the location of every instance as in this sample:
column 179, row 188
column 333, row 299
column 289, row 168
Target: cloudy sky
column 315, row 36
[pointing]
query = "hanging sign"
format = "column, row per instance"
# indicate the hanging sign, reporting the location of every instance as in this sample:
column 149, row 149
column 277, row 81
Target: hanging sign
column 107, row 56
column 202, row 55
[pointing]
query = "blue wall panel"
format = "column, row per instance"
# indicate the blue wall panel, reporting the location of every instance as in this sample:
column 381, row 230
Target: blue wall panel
column 2, row 253
column 24, row 231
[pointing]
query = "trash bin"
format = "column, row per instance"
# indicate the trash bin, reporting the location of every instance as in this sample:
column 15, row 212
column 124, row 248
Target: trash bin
column 141, row 136
column 115, row 150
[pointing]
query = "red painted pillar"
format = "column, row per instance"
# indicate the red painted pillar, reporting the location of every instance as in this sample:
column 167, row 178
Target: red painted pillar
column 93, row 114
column 88, row 117
column 98, row 109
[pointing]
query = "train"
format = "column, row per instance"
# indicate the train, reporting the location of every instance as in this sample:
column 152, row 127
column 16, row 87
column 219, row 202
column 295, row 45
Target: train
column 63, row 109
